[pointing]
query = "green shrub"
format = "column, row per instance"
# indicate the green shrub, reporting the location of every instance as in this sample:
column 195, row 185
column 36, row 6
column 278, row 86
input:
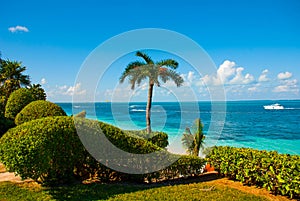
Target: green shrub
column 49, row 151
column 279, row 173
column 158, row 138
column 185, row 166
column 45, row 150
column 17, row 101
column 38, row 109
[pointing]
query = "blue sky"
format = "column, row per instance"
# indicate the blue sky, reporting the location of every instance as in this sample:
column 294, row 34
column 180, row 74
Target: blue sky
column 255, row 45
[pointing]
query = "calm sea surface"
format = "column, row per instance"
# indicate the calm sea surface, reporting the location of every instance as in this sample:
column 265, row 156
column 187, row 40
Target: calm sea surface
column 234, row 123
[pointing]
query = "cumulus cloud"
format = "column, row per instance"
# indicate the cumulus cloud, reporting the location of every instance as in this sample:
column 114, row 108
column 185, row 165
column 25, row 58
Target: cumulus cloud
column 18, row 29
column 284, row 75
column 226, row 71
column 74, row 90
column 228, row 74
column 264, row 76
column 43, row 81
column 287, row 86
column 240, row 78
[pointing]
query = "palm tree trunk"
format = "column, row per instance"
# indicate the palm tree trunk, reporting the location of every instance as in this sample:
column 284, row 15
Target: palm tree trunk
column 148, row 108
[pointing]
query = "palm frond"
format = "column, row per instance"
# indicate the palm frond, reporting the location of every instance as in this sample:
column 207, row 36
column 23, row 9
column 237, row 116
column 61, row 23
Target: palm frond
column 145, row 57
column 129, row 67
column 169, row 74
column 168, row 63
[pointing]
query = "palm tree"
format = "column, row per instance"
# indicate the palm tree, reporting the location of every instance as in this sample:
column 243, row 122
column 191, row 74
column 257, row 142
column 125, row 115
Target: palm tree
column 193, row 140
column 11, row 77
column 155, row 72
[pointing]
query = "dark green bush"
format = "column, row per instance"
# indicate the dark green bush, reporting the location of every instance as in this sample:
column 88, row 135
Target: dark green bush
column 279, row 173
column 49, row 151
column 45, row 150
column 17, row 101
column 5, row 124
column 38, row 109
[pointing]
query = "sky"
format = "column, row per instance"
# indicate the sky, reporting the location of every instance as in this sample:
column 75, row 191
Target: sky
column 255, row 46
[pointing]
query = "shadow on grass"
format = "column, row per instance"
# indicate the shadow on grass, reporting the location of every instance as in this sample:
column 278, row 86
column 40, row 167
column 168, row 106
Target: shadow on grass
column 96, row 191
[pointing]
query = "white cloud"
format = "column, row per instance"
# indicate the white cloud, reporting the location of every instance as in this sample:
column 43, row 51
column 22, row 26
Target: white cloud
column 255, row 88
column 264, row 76
column 74, row 90
column 284, row 76
column 287, row 86
column 18, row 29
column 187, row 78
column 43, row 81
column 228, row 74
column 240, row 78
column 226, row 71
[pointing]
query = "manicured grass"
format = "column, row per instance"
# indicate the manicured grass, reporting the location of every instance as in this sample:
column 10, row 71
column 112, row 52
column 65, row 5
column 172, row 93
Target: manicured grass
column 84, row 192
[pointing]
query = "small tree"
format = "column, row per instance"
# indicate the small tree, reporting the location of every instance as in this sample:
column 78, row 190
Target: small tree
column 38, row 92
column 193, row 139
column 155, row 73
column 12, row 77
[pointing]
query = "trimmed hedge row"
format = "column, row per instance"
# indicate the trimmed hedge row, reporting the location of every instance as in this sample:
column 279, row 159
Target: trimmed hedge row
column 45, row 150
column 158, row 138
column 38, row 109
column 49, row 151
column 279, row 173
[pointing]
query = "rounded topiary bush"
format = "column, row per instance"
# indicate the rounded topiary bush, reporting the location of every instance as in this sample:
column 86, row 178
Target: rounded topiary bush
column 38, row 109
column 50, row 151
column 45, row 149
column 17, row 101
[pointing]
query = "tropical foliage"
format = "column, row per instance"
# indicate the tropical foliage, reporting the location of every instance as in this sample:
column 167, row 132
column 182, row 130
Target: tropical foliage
column 38, row 92
column 193, row 139
column 12, row 77
column 155, row 73
column 279, row 173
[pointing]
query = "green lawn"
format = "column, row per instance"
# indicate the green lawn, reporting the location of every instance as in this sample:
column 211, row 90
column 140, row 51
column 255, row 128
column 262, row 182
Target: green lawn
column 83, row 192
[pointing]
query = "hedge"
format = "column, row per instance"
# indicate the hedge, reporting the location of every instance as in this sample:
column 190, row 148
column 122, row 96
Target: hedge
column 45, row 150
column 38, row 109
column 17, row 101
column 279, row 173
column 158, row 138
column 49, row 151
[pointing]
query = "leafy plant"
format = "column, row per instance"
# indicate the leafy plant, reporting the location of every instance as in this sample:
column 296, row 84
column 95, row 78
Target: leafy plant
column 45, row 150
column 38, row 92
column 17, row 101
column 12, row 77
column 158, row 138
column 193, row 139
column 279, row 173
column 38, row 109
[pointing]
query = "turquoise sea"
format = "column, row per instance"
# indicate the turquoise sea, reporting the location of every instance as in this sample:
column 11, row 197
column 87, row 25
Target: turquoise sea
column 233, row 123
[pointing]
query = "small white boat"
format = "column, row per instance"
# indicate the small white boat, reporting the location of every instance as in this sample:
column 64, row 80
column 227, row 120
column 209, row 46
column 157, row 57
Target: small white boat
column 275, row 106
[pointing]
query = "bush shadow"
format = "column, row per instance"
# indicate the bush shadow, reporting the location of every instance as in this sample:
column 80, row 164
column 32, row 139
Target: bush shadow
column 103, row 191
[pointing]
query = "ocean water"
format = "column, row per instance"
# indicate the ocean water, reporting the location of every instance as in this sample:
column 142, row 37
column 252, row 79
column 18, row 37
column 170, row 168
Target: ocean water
column 232, row 123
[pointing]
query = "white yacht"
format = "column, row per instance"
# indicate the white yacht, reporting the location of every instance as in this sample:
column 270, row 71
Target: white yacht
column 275, row 106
